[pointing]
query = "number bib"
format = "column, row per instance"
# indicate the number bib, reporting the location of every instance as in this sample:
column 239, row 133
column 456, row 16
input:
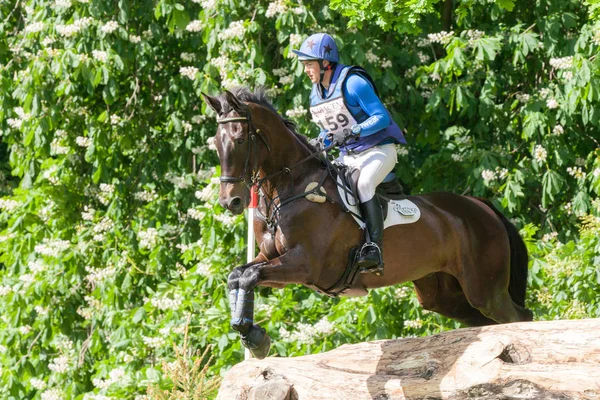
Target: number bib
column 332, row 116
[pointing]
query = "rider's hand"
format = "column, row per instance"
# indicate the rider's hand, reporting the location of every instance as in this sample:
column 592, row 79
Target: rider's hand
column 317, row 143
column 340, row 137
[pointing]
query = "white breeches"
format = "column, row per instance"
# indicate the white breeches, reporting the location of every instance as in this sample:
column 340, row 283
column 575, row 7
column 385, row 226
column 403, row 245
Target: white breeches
column 374, row 164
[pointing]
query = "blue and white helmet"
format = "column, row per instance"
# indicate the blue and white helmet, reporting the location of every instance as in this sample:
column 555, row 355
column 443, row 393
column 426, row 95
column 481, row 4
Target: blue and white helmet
column 319, row 46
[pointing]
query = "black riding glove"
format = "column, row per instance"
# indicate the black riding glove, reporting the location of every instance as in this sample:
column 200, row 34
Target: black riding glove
column 340, row 137
column 317, row 143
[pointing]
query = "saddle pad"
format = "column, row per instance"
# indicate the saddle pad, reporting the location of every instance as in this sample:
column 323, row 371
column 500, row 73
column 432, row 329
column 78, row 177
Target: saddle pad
column 399, row 211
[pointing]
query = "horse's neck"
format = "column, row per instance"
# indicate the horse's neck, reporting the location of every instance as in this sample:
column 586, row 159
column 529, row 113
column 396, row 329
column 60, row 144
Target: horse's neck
column 286, row 151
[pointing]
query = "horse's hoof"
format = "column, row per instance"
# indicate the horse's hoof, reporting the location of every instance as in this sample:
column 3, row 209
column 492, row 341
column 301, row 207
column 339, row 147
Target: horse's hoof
column 257, row 341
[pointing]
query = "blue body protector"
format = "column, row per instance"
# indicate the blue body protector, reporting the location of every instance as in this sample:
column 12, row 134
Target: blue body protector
column 335, row 96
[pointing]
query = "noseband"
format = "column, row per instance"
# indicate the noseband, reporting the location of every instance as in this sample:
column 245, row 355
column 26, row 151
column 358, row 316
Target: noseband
column 252, row 148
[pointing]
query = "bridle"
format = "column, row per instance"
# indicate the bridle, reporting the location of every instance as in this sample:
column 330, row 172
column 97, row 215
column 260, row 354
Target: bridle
column 253, row 132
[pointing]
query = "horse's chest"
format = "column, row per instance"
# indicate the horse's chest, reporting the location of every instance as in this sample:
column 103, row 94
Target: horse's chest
column 272, row 244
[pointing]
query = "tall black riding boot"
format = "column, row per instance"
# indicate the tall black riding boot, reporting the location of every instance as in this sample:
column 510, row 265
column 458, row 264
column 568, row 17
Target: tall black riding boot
column 371, row 257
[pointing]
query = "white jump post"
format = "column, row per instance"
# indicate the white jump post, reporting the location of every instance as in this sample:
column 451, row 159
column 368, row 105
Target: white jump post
column 251, row 252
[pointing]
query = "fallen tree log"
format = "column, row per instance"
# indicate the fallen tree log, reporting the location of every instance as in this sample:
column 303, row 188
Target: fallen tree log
column 548, row 360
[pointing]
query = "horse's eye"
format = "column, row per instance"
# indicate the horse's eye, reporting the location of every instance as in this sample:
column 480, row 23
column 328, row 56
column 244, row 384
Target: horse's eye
column 240, row 141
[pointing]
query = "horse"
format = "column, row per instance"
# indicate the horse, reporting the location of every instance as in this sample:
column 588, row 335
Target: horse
column 465, row 259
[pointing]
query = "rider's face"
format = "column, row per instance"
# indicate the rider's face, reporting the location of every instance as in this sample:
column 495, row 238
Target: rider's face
column 312, row 69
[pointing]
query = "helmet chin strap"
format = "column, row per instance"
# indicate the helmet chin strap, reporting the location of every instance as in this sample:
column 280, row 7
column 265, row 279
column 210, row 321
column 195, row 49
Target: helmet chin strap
column 323, row 69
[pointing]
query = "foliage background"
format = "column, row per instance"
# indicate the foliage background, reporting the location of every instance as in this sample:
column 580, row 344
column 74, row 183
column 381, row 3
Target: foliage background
column 111, row 233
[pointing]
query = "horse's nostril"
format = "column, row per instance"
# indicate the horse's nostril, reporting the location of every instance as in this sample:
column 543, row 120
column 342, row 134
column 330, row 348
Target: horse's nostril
column 235, row 202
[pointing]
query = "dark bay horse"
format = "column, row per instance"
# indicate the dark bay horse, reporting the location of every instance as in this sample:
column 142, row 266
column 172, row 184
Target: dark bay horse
column 466, row 260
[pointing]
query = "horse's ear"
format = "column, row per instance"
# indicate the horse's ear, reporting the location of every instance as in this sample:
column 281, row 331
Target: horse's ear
column 213, row 103
column 237, row 105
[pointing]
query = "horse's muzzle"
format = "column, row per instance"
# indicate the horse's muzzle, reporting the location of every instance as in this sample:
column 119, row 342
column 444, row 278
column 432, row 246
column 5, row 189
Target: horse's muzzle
column 233, row 204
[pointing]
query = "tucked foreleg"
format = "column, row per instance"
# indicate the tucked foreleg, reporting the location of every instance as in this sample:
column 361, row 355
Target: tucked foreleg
column 291, row 267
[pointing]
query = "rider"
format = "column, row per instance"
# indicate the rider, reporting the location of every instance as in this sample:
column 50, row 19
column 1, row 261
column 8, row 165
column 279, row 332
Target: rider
column 345, row 105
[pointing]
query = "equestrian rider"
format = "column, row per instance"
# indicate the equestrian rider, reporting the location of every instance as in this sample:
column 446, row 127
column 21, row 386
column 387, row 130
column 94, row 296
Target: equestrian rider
column 345, row 105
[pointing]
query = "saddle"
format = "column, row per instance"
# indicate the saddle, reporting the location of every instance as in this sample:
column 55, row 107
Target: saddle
column 385, row 191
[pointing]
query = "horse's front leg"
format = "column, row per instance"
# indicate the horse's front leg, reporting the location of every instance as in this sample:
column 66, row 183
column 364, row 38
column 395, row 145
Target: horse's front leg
column 233, row 282
column 291, row 267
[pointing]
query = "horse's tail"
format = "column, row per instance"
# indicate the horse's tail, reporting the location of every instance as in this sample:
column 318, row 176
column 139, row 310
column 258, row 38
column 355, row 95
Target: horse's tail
column 519, row 259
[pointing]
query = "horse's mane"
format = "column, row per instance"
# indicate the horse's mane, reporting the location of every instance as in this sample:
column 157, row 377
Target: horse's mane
column 259, row 96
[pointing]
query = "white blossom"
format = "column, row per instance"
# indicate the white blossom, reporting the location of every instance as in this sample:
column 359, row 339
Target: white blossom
column 501, row 173
column 194, row 26
column 296, row 112
column 211, row 143
column 562, row 63
column 154, row 342
column 146, row 196
column 98, row 275
column 115, row 119
column 107, row 188
column 545, row 92
column 37, row 383
column 596, row 37
column 226, row 219
column 60, row 364
column 41, row 310
column 402, row 292
column 280, row 72
column 402, row 151
column 235, row 30
column 135, row 39
column 110, row 27
column 196, row 214
column 596, row 172
column 473, row 35
column 83, row 141
column 27, row 278
column 221, row 62
column 8, row 205
column 286, row 80
column 576, row 172
column 442, row 37
column 52, row 248
column 551, row 103
column 15, row 123
column 300, row 10
column 539, row 153
column 423, row 58
column 295, row 39
column 62, row 3
column 189, row 72
column 35, row 27
column 100, row 55
column 275, row 8
column 385, row 63
column 88, row 213
column 414, row 324
column 568, row 75
column 148, row 239
column 488, row 176
column 523, row 97
column 189, row 57
column 203, row 268
column 24, row 330
column 371, row 57
column 52, row 394
column 549, row 236
column 4, row 290
column 558, row 130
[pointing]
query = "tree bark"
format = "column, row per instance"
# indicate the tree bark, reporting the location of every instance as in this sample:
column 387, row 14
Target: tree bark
column 548, row 360
column 447, row 9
